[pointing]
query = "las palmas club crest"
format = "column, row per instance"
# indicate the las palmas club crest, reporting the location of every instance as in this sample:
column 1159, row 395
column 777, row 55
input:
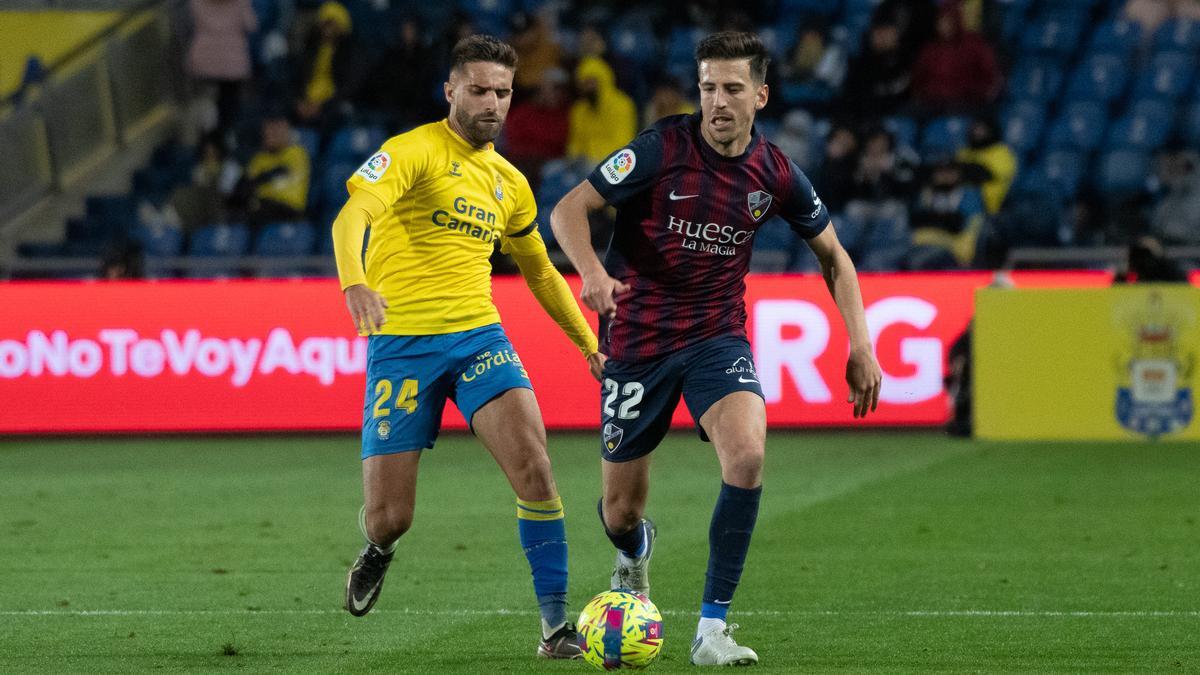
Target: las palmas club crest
column 1154, row 396
column 758, row 203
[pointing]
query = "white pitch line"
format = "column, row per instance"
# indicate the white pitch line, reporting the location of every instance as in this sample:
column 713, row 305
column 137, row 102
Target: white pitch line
column 981, row 613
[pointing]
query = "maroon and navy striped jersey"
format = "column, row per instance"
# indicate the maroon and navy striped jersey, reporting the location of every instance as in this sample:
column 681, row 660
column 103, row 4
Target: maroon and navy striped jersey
column 686, row 220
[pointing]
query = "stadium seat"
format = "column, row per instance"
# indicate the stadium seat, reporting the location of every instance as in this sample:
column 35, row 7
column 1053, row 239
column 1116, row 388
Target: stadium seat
column 903, row 128
column 1012, row 18
column 1055, row 33
column 1081, row 125
column 1122, row 173
column 773, row 246
column 310, row 140
column 886, row 245
column 286, row 239
column 778, row 39
column 1190, row 124
column 159, row 240
column 1100, row 77
column 355, row 143
column 1146, row 126
column 1023, row 125
column 634, row 42
column 1036, row 79
column 1116, row 36
column 941, row 134
column 801, row 7
column 1166, row 76
column 1064, row 169
column 221, row 239
column 489, row 16
column 331, row 186
column 1177, row 35
column 1031, row 214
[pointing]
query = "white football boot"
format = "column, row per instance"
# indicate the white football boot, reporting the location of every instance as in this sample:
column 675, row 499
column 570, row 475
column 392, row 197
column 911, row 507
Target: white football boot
column 634, row 574
column 716, row 647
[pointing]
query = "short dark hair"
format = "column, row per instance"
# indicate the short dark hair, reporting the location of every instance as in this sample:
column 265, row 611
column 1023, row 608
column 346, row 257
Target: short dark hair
column 733, row 45
column 485, row 48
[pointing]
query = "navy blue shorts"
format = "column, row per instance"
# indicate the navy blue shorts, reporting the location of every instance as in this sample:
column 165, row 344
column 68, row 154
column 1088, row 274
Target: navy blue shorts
column 637, row 400
column 409, row 378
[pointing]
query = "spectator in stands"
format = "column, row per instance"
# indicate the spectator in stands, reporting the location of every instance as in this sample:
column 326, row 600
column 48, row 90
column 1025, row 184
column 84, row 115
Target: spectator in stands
column 885, row 173
column 668, row 99
column 218, row 57
column 815, row 68
column 957, row 70
column 626, row 73
column 914, row 19
column 1151, row 14
column 403, row 81
column 536, row 131
column 603, row 118
column 123, row 260
column 275, row 185
column 946, row 218
column 988, row 162
column 1147, row 262
column 537, row 50
column 1176, row 218
column 326, row 73
column 202, row 201
column 795, row 138
column 835, row 180
column 878, row 79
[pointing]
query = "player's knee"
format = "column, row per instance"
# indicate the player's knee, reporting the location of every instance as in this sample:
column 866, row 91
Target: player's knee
column 387, row 523
column 743, row 463
column 532, row 476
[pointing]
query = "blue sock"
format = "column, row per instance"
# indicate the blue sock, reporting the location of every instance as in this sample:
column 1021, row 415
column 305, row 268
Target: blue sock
column 544, row 539
column 728, row 541
column 631, row 543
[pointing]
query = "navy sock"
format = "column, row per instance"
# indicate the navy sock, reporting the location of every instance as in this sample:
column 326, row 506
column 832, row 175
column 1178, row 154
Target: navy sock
column 630, row 543
column 728, row 541
column 543, row 536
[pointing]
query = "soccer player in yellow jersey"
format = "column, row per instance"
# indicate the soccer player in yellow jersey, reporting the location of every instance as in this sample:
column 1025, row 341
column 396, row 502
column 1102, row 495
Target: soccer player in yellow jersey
column 437, row 199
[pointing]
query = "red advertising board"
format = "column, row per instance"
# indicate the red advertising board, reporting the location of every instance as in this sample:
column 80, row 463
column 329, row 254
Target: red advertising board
column 280, row 355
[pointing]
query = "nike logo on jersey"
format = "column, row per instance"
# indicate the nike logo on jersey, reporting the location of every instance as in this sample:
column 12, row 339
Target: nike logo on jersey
column 747, row 380
column 674, row 197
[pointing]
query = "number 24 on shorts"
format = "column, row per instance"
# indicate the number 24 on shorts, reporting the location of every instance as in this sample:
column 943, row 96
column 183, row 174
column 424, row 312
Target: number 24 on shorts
column 627, row 410
column 406, row 400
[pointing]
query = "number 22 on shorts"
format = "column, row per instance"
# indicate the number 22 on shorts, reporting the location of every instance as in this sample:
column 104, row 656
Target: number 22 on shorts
column 406, row 400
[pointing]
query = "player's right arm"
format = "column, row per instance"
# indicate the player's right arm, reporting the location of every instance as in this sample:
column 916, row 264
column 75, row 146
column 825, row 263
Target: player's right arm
column 366, row 306
column 377, row 185
column 569, row 220
column 625, row 173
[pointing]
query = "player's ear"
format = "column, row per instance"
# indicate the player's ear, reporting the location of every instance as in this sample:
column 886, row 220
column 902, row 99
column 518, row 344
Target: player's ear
column 448, row 88
column 760, row 99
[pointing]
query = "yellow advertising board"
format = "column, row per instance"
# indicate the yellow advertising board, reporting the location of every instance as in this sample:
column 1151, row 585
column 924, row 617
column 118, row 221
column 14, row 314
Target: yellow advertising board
column 1115, row 363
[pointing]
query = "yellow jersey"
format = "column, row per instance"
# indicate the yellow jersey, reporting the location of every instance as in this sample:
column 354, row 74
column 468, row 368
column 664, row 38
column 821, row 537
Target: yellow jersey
column 447, row 204
column 290, row 186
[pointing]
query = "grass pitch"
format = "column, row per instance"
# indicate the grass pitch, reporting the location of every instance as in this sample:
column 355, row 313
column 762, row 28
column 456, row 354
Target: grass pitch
column 875, row 552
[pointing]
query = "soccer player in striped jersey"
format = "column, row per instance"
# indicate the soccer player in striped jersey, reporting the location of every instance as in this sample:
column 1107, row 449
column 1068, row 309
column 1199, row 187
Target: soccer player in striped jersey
column 690, row 193
column 437, row 200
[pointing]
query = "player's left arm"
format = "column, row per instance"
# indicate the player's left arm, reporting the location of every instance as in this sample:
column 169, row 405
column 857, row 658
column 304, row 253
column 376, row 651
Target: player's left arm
column 810, row 219
column 526, row 247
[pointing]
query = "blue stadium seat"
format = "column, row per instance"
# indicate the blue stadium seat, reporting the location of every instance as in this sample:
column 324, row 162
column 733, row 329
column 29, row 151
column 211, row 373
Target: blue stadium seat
column 778, row 39
column 1122, row 173
column 159, row 240
column 309, row 139
column 331, row 185
column 1100, row 77
column 773, row 246
column 948, row 133
column 1023, row 125
column 1115, row 36
column 886, row 245
column 221, row 239
column 903, row 128
column 1012, row 18
column 1038, row 79
column 1081, row 125
column 798, row 7
column 1032, row 214
column 355, row 143
column 1064, row 169
column 286, row 239
column 1055, row 33
column 1190, row 124
column 489, row 16
column 1166, row 76
column 1177, row 35
column 634, row 42
column 1146, row 126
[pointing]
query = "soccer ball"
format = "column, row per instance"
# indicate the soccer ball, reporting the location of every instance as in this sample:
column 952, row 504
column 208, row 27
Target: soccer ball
column 620, row 629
